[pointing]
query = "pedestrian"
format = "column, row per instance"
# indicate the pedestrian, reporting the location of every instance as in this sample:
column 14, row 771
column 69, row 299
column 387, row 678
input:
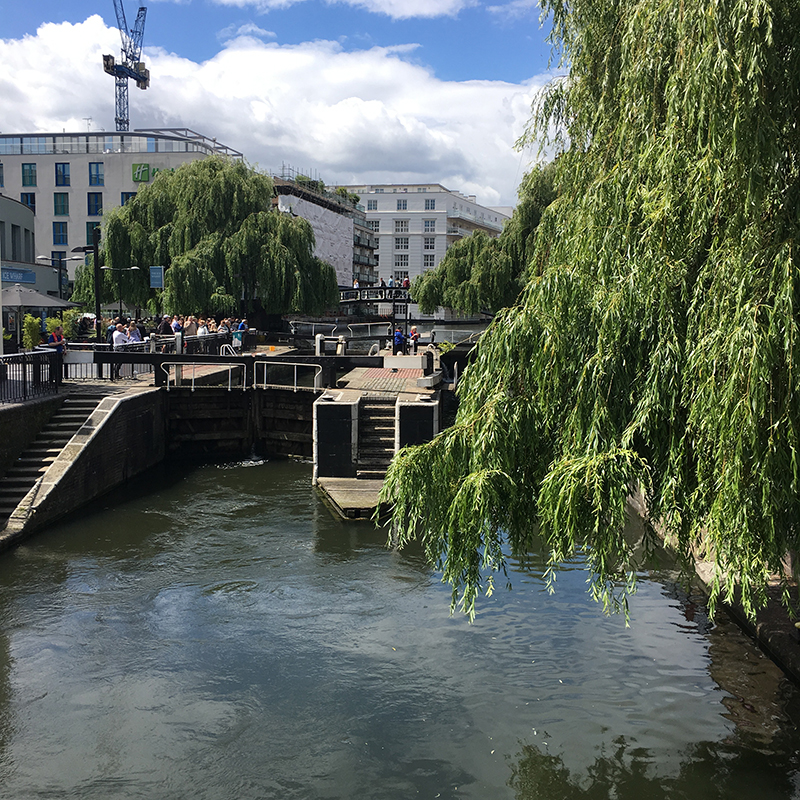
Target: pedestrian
column 391, row 282
column 414, row 336
column 133, row 333
column 399, row 342
column 120, row 339
column 56, row 339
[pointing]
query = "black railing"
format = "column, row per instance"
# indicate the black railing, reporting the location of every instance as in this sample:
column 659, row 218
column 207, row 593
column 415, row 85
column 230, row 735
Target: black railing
column 26, row 376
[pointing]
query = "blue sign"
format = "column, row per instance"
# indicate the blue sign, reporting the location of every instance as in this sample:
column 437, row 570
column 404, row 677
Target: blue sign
column 156, row 277
column 9, row 275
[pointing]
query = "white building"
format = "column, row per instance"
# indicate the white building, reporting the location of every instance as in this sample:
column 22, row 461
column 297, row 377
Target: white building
column 69, row 179
column 416, row 224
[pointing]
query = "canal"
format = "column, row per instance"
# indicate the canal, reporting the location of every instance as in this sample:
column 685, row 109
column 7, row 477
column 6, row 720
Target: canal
column 213, row 632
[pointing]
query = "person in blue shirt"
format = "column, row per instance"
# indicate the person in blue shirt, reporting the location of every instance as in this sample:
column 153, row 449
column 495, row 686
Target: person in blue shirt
column 242, row 325
column 56, row 339
column 399, row 342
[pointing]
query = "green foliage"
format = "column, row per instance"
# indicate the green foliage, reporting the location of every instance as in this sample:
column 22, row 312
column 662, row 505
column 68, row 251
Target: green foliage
column 31, row 331
column 212, row 226
column 655, row 343
column 480, row 272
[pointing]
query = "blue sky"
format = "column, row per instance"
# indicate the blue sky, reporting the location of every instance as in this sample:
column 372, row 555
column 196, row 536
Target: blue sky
column 358, row 90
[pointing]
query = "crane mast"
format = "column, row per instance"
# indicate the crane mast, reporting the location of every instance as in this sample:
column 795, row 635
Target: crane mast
column 131, row 65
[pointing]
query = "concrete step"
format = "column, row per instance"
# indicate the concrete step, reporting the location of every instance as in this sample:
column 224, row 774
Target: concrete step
column 370, row 474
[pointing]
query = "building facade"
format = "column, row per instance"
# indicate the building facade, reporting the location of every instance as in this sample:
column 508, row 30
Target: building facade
column 342, row 235
column 415, row 224
column 68, row 180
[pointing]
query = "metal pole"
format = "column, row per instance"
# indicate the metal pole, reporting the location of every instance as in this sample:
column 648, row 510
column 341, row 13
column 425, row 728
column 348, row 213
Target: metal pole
column 96, row 252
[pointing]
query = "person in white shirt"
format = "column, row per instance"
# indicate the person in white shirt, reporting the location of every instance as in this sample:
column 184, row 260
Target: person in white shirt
column 119, row 340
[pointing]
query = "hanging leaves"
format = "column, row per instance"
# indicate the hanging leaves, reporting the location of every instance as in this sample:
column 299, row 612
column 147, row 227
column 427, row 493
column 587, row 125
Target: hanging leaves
column 211, row 224
column 655, row 343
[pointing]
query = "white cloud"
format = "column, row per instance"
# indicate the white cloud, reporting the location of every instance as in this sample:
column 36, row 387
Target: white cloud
column 517, row 9
column 351, row 117
column 396, row 9
column 248, row 29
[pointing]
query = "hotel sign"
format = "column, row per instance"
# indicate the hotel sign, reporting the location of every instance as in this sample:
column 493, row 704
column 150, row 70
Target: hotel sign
column 9, row 275
column 144, row 173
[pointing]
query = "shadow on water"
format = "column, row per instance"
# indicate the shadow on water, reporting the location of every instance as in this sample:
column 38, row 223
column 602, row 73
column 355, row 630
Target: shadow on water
column 708, row 769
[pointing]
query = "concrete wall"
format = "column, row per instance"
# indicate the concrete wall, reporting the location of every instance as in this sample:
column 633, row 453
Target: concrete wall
column 19, row 424
column 124, row 436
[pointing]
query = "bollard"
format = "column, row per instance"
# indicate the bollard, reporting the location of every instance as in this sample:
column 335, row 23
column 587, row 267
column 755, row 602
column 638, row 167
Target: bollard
column 341, row 347
column 319, row 345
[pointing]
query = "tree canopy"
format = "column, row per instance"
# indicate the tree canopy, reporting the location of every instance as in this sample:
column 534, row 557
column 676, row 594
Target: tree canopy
column 485, row 273
column 655, row 343
column 211, row 224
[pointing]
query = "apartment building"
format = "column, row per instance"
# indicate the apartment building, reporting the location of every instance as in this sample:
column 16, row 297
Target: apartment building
column 415, row 224
column 68, row 180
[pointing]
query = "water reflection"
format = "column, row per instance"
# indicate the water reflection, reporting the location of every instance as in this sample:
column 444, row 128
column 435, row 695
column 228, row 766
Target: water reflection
column 219, row 634
column 707, row 769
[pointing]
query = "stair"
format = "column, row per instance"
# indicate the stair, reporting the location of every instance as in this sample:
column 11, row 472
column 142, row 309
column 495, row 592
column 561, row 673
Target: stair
column 376, row 421
column 44, row 450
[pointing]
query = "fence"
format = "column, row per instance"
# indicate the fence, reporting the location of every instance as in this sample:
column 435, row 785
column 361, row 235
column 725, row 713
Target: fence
column 28, row 375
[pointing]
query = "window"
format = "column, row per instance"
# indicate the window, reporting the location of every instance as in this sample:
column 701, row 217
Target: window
column 372, row 205
column 28, row 199
column 401, row 226
column 430, row 205
column 374, row 225
column 377, row 242
column 2, row 182
column 428, row 242
column 96, row 173
column 125, row 196
column 95, row 204
column 16, row 242
column 429, row 225
column 90, row 226
column 60, row 204
column 401, row 261
column 29, row 174
column 428, row 261
column 402, row 205
column 62, row 174
column 401, row 243
column 60, row 233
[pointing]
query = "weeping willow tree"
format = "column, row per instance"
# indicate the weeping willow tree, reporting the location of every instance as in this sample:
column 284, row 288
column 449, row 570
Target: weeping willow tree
column 485, row 273
column 654, row 346
column 212, row 225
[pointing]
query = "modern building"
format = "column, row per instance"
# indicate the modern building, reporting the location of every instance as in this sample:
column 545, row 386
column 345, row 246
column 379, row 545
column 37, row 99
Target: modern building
column 69, row 179
column 415, row 224
column 342, row 235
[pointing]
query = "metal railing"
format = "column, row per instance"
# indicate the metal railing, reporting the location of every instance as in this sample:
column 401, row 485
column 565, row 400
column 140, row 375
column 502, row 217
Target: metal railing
column 280, row 366
column 79, row 362
column 25, row 376
column 181, row 368
column 357, row 329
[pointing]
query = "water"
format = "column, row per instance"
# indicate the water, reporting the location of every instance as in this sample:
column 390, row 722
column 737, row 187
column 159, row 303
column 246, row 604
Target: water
column 215, row 633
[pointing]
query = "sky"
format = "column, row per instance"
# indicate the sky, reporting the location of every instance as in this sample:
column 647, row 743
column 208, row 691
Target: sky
column 349, row 91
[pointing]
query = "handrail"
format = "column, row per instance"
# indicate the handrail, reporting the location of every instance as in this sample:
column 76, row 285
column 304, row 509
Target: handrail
column 295, row 364
column 165, row 365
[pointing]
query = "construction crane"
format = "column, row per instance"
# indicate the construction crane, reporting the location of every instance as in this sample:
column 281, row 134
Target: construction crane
column 131, row 66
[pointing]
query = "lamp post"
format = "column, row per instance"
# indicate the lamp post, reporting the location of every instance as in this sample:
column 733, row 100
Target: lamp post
column 60, row 262
column 94, row 247
column 120, row 270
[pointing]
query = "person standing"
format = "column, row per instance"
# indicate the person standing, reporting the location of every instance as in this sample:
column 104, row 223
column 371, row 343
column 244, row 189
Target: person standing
column 120, row 339
column 399, row 342
column 414, row 336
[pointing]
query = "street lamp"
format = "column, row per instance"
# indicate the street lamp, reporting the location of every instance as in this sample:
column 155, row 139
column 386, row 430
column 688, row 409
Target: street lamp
column 94, row 247
column 119, row 281
column 60, row 261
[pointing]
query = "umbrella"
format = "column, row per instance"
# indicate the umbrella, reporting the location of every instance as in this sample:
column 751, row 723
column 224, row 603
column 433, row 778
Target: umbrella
column 19, row 297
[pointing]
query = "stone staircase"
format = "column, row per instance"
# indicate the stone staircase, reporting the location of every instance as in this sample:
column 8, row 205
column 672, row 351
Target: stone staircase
column 376, row 421
column 44, row 450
